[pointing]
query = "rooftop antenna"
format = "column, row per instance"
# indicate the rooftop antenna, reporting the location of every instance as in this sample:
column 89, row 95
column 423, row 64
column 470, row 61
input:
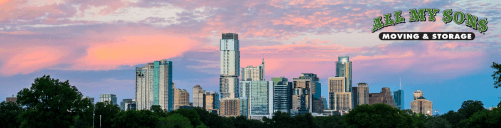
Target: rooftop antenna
column 400, row 83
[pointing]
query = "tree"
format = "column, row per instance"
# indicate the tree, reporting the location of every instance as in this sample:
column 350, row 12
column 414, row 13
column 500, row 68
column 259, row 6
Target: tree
column 8, row 114
column 190, row 114
column 158, row 110
column 50, row 103
column 378, row 116
column 470, row 107
column 135, row 119
column 175, row 120
column 483, row 119
column 437, row 122
column 453, row 117
column 497, row 74
column 334, row 121
column 107, row 111
column 280, row 120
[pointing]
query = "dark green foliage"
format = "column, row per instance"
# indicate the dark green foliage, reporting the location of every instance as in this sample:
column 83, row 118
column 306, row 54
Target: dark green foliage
column 190, row 114
column 470, row 107
column 135, row 119
column 378, row 116
column 51, row 103
column 8, row 114
column 497, row 74
column 483, row 119
column 280, row 120
column 107, row 111
column 158, row 111
column 335, row 121
column 175, row 120
column 437, row 122
column 453, row 117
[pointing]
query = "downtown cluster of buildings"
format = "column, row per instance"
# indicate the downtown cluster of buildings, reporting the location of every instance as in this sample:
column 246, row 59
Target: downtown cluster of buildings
column 244, row 91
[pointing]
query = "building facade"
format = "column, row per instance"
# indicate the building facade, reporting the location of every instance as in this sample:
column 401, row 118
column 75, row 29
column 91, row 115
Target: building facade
column 90, row 98
column 108, row 98
column 360, row 94
column 123, row 105
column 230, row 66
column 383, row 97
column 211, row 100
column 154, row 85
column 181, row 98
column 251, row 73
column 324, row 103
column 229, row 107
column 421, row 105
column 282, row 98
column 306, row 94
column 11, row 99
column 343, row 69
column 339, row 98
column 261, row 99
column 398, row 96
column 198, row 96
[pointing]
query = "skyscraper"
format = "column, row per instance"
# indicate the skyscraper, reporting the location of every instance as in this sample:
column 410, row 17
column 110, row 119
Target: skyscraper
column 198, row 97
column 343, row 69
column 360, row 94
column 282, row 94
column 211, row 100
column 324, row 103
column 230, row 65
column 421, row 105
column 154, row 85
column 250, row 73
column 108, row 98
column 306, row 94
column 181, row 98
column 261, row 99
column 123, row 105
column 418, row 94
column 399, row 98
column 339, row 98
column 383, row 97
column 90, row 98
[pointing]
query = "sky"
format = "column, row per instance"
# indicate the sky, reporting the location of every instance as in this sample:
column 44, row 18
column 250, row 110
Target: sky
column 97, row 44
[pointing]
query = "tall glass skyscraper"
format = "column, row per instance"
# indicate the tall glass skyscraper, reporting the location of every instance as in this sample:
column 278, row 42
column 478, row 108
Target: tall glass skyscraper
column 154, row 85
column 282, row 97
column 230, row 65
column 399, row 99
column 261, row 99
column 343, row 69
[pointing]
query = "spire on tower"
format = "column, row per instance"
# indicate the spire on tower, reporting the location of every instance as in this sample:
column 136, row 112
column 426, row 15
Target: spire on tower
column 400, row 83
column 263, row 60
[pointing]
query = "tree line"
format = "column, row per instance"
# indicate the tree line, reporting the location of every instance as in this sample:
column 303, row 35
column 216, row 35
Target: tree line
column 53, row 103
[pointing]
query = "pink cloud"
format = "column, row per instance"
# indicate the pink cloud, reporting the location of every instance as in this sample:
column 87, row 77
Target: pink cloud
column 31, row 59
column 131, row 51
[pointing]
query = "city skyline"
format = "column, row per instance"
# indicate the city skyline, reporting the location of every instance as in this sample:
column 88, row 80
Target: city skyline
column 97, row 48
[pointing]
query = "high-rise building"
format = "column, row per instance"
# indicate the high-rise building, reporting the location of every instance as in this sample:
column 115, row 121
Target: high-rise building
column 211, row 100
column 123, row 105
column 131, row 105
column 383, row 97
column 108, row 98
column 261, row 99
column 324, row 103
column 398, row 96
column 244, row 106
column 418, row 94
column 154, row 85
column 90, row 98
column 343, row 69
column 360, row 94
column 229, row 107
column 306, row 94
column 282, row 98
column 11, row 99
column 198, row 97
column 339, row 98
column 250, row 73
column 421, row 105
column 230, row 66
column 181, row 98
